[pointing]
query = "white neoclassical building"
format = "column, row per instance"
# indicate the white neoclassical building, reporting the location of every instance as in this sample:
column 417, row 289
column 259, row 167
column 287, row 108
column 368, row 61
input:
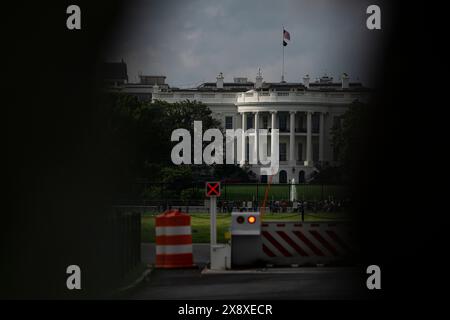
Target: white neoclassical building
column 303, row 112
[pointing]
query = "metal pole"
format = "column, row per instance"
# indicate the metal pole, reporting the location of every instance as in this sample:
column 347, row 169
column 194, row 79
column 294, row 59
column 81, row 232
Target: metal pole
column 213, row 212
column 257, row 196
column 282, row 44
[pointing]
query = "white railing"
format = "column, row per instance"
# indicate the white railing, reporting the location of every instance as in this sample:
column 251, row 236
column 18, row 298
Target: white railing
column 199, row 96
column 299, row 96
column 269, row 97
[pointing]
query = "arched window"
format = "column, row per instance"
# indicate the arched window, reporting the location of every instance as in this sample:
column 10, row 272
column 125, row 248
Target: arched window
column 283, row 176
column 301, row 176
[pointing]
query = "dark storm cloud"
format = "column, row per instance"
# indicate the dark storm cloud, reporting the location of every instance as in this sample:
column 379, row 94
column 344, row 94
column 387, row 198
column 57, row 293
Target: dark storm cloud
column 192, row 41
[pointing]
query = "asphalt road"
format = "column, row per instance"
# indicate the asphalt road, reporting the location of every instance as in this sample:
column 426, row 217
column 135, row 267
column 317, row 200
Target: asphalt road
column 200, row 252
column 299, row 283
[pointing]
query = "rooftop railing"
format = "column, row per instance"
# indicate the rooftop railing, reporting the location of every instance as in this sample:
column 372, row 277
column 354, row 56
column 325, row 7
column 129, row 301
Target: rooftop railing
column 255, row 96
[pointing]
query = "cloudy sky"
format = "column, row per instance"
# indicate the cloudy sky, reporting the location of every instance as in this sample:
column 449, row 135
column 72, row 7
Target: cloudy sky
column 191, row 41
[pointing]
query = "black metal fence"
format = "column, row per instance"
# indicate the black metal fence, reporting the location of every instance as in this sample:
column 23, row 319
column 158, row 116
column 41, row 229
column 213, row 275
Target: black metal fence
column 124, row 248
column 161, row 194
column 192, row 196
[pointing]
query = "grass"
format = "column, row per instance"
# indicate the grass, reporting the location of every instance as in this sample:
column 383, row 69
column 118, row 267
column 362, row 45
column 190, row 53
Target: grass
column 200, row 224
column 280, row 192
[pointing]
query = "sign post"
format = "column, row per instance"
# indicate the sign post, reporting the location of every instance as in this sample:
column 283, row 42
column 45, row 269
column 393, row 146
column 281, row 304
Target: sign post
column 213, row 191
column 213, row 213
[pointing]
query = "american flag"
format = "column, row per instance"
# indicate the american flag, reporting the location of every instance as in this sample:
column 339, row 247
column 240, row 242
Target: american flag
column 286, row 36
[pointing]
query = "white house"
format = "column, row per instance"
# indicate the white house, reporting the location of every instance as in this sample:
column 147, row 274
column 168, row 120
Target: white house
column 303, row 112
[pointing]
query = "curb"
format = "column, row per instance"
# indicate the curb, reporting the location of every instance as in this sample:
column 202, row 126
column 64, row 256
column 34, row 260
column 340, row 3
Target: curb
column 134, row 284
column 263, row 271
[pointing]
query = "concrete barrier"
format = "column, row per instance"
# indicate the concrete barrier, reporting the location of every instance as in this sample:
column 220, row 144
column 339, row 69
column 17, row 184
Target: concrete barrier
column 287, row 243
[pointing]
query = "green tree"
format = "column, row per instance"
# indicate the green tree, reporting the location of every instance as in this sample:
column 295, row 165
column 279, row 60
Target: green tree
column 140, row 137
column 350, row 137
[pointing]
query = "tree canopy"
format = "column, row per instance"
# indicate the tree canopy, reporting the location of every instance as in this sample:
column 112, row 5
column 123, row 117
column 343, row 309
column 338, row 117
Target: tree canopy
column 350, row 137
column 140, row 136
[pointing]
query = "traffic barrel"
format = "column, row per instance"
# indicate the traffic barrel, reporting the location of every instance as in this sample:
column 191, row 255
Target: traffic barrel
column 173, row 240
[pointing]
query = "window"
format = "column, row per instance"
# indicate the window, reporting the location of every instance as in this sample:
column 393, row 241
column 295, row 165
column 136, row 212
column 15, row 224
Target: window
column 249, row 122
column 315, row 152
column 300, row 152
column 283, row 155
column 301, row 176
column 283, row 122
column 247, row 151
column 315, row 122
column 283, row 176
column 265, row 122
column 301, row 127
column 228, row 122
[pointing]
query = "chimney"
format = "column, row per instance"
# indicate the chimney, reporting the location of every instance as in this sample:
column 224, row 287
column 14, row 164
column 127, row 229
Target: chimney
column 259, row 79
column 345, row 81
column 219, row 83
column 306, row 81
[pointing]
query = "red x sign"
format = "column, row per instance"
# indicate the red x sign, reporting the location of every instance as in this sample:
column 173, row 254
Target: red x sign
column 213, row 189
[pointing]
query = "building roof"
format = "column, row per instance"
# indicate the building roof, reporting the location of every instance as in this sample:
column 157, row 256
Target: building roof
column 282, row 86
column 277, row 86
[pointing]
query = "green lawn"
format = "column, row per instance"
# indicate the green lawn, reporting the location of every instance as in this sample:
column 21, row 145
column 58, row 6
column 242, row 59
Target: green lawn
column 200, row 224
column 309, row 192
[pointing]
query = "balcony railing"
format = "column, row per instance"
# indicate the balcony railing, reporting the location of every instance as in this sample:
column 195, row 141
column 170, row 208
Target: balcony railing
column 201, row 96
column 293, row 96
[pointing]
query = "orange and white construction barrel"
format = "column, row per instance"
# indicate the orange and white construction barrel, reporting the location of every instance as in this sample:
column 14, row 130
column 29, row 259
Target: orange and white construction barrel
column 173, row 240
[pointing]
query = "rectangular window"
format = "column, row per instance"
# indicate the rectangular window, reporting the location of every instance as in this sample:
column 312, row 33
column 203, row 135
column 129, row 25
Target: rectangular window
column 283, row 152
column 247, row 151
column 301, row 127
column 315, row 152
column 300, row 152
column 282, row 123
column 249, row 122
column 315, row 122
column 228, row 122
column 265, row 122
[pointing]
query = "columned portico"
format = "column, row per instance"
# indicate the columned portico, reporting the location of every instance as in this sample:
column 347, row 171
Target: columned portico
column 232, row 103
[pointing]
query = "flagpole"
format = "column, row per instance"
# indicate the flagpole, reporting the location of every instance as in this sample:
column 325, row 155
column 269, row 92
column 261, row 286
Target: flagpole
column 282, row 44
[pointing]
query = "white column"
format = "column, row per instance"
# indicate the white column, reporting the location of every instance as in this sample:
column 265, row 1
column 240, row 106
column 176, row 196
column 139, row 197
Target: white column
column 244, row 125
column 274, row 124
column 321, row 136
column 292, row 139
column 274, row 119
column 308, row 161
column 255, row 147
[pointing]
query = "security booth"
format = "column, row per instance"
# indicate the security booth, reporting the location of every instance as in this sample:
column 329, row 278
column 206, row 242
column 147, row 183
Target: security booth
column 246, row 240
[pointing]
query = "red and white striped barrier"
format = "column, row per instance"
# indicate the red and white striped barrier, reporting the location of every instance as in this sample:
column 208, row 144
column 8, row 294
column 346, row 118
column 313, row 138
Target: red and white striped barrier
column 173, row 240
column 307, row 242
